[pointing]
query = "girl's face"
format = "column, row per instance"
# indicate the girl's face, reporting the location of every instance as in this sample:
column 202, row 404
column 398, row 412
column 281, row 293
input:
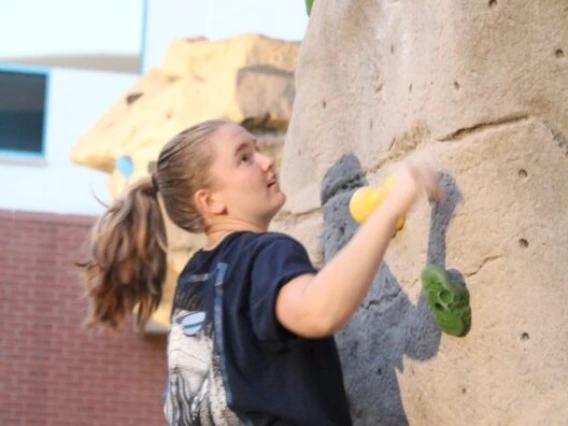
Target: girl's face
column 245, row 185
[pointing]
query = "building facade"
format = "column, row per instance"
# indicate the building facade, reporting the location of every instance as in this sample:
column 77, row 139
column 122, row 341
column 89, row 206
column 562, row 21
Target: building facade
column 54, row 372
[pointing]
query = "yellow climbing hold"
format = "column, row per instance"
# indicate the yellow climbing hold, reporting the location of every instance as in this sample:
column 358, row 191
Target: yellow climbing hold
column 367, row 198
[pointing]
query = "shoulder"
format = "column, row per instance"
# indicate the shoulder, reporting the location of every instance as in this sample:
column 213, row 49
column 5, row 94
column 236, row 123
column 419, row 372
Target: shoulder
column 275, row 241
column 255, row 241
column 272, row 236
column 245, row 247
column 264, row 246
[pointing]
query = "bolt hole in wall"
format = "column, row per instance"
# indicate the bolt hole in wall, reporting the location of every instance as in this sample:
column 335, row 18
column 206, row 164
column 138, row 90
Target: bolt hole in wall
column 456, row 85
column 523, row 173
column 133, row 97
column 524, row 336
column 523, row 243
column 492, row 3
column 559, row 53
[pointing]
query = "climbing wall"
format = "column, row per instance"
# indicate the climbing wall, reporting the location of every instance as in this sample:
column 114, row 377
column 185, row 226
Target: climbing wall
column 478, row 90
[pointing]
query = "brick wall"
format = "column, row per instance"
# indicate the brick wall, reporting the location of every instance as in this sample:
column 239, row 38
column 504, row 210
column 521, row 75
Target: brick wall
column 53, row 372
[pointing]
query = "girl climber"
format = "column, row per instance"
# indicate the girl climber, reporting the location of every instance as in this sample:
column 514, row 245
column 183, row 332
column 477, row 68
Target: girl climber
column 251, row 332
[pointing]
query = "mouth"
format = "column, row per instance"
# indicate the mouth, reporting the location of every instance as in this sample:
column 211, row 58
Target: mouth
column 272, row 182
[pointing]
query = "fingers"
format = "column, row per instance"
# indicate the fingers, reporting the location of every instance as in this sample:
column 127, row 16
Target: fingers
column 412, row 180
column 433, row 189
column 429, row 181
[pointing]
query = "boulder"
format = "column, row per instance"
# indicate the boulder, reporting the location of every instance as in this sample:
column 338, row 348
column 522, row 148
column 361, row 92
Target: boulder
column 478, row 90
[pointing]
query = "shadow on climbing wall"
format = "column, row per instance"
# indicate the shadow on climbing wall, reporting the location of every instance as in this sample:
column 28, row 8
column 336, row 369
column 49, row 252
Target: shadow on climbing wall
column 387, row 326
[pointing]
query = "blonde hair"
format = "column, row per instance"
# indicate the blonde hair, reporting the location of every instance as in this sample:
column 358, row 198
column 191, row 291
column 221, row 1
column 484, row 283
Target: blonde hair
column 126, row 261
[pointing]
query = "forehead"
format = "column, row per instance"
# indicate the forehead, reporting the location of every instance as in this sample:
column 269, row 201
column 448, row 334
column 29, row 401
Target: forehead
column 229, row 138
column 231, row 134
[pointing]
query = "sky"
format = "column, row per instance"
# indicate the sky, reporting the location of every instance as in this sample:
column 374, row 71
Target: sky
column 40, row 27
column 31, row 28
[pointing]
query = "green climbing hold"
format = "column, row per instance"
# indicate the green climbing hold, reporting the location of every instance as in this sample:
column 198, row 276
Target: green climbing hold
column 309, row 4
column 448, row 298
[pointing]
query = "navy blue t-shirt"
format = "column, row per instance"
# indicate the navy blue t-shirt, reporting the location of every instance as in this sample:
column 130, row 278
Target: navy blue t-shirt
column 230, row 362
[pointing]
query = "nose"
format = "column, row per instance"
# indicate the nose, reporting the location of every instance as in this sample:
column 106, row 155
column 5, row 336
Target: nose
column 266, row 161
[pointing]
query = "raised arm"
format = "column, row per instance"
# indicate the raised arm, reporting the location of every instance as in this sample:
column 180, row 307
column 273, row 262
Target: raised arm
column 319, row 305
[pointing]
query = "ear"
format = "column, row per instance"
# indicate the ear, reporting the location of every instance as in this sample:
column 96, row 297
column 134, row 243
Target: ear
column 209, row 203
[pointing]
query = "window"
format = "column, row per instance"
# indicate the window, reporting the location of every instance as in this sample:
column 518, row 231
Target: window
column 22, row 111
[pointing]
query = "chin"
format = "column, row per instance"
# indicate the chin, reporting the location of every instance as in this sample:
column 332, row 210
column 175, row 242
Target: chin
column 278, row 205
column 282, row 201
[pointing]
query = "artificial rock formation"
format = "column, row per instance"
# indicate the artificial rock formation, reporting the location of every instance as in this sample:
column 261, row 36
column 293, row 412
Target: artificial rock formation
column 248, row 79
column 478, row 90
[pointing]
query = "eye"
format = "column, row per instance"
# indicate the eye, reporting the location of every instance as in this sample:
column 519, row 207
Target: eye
column 245, row 158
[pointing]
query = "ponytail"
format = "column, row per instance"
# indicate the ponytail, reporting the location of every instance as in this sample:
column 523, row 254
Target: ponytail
column 126, row 260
